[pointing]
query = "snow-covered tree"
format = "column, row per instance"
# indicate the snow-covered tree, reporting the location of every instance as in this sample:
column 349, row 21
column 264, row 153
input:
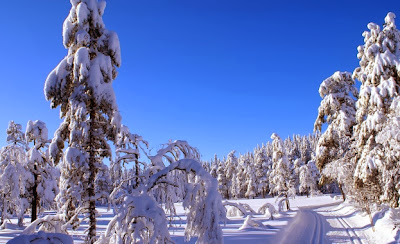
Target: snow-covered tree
column 338, row 110
column 305, row 149
column 128, row 147
column 280, row 176
column 214, row 166
column 376, row 135
column 251, row 188
column 293, row 148
column 81, row 85
column 230, row 168
column 44, row 187
column 308, row 178
column 296, row 166
column 222, row 181
column 250, row 182
column 141, row 218
column 262, row 165
column 13, row 175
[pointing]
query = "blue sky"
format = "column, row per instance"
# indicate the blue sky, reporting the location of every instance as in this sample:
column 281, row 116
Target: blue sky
column 221, row 74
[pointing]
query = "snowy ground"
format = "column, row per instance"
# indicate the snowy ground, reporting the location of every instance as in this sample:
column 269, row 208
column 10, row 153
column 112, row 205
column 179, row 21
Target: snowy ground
column 322, row 219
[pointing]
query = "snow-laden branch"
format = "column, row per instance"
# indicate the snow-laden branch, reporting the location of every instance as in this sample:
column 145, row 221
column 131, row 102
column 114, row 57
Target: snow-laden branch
column 173, row 151
column 202, row 199
column 49, row 223
column 140, row 217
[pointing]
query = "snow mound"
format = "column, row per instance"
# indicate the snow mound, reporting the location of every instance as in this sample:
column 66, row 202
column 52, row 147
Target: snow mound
column 43, row 238
column 251, row 224
column 234, row 212
column 387, row 226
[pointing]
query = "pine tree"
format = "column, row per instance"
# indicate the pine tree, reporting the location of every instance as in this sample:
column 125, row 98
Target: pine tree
column 308, row 178
column 13, row 175
column 338, row 110
column 222, row 181
column 262, row 165
column 297, row 164
column 377, row 138
column 44, row 187
column 81, row 85
column 280, row 175
column 230, row 168
column 214, row 166
column 127, row 151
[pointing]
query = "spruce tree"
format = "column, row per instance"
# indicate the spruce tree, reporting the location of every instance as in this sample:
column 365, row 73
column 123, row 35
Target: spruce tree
column 338, row 111
column 377, row 138
column 280, row 176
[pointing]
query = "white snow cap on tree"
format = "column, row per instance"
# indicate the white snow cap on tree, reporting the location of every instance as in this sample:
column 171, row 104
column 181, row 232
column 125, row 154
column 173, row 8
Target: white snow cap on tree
column 338, row 110
column 338, row 104
column 36, row 131
column 15, row 134
column 93, row 55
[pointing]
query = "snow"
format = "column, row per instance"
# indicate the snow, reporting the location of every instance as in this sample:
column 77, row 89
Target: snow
column 43, row 238
column 322, row 217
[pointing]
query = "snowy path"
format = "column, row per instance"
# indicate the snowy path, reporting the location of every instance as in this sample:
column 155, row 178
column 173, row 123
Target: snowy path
column 345, row 226
column 306, row 227
column 322, row 224
column 350, row 231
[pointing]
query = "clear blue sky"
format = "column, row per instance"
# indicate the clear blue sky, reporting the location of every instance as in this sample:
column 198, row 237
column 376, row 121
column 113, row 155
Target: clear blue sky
column 221, row 74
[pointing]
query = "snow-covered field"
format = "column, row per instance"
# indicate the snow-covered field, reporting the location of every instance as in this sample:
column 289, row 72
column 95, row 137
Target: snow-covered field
column 320, row 219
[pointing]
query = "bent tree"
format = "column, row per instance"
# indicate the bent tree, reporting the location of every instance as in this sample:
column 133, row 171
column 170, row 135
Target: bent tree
column 141, row 219
column 81, row 85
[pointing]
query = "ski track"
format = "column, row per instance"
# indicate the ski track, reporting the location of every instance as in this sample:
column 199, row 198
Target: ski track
column 350, row 231
column 316, row 228
column 313, row 232
column 319, row 231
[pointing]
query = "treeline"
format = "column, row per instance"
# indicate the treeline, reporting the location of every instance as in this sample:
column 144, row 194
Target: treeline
column 252, row 174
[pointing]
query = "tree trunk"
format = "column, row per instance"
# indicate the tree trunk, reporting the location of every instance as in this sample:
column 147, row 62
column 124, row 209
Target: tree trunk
column 371, row 219
column 91, row 238
column 35, row 200
column 341, row 191
column 137, row 173
column 3, row 211
column 287, row 202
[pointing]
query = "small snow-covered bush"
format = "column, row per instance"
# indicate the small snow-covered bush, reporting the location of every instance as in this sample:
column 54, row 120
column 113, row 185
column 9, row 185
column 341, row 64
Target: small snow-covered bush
column 233, row 211
column 251, row 223
column 283, row 205
column 268, row 210
column 238, row 208
column 140, row 218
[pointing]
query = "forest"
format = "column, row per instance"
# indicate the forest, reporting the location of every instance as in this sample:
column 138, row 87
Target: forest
column 93, row 160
